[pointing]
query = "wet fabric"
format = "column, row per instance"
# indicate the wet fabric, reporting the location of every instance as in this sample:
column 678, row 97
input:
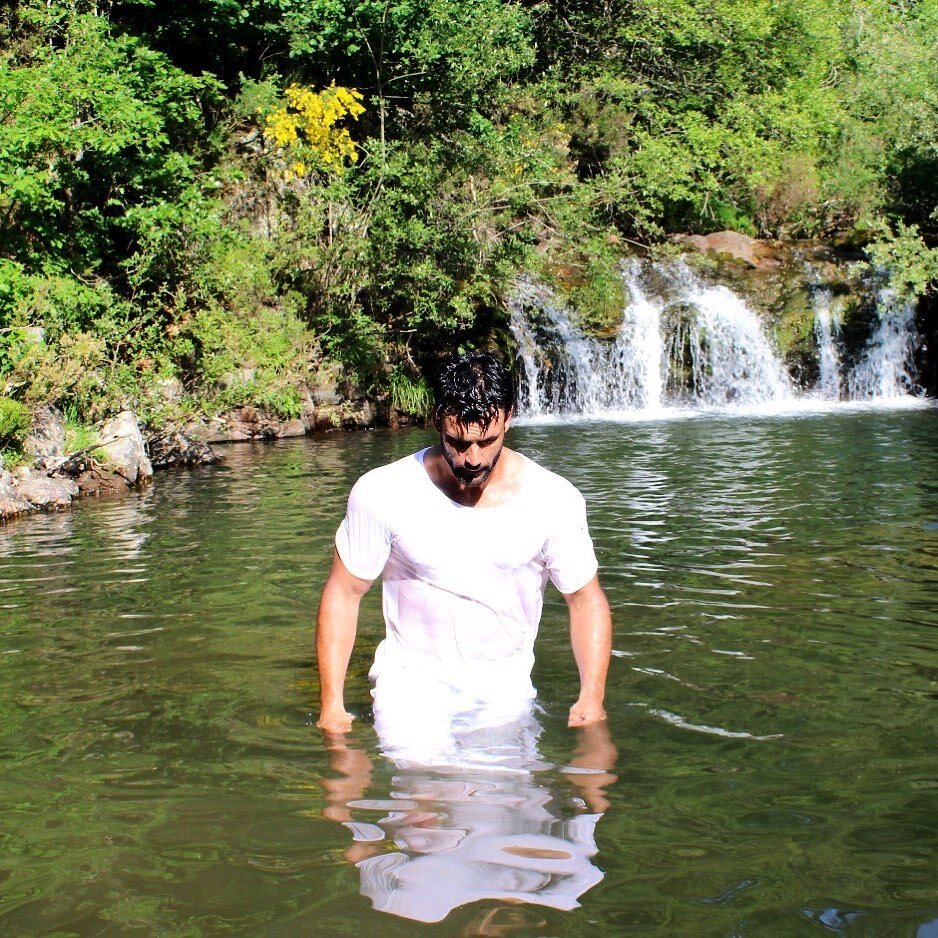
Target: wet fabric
column 463, row 590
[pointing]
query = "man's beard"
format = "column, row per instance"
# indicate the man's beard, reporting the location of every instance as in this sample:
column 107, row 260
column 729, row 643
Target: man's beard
column 470, row 478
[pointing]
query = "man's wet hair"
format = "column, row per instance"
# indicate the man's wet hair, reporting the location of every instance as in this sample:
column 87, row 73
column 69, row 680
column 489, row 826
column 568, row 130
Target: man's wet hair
column 473, row 388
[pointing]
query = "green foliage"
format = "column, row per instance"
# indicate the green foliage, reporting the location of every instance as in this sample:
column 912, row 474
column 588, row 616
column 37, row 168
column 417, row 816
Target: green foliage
column 155, row 253
column 80, row 438
column 92, row 126
column 410, row 395
column 912, row 266
column 14, row 421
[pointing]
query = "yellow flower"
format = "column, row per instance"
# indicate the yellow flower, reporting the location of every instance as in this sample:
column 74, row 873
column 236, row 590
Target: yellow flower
column 309, row 121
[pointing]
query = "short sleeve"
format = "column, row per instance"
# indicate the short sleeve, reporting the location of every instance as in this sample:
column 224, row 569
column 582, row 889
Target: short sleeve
column 363, row 541
column 568, row 550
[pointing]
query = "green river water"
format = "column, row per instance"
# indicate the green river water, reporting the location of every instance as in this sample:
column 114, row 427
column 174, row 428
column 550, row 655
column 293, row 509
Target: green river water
column 773, row 702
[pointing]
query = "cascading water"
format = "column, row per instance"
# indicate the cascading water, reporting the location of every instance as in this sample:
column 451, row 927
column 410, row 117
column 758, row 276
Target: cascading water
column 689, row 342
column 885, row 369
column 826, row 330
column 566, row 371
column 563, row 368
column 733, row 362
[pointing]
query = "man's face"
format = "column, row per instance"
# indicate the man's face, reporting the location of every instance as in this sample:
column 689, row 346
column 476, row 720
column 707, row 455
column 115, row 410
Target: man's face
column 472, row 450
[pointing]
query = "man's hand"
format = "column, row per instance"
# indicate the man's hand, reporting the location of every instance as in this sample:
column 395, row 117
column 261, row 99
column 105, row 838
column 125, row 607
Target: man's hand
column 585, row 712
column 335, row 721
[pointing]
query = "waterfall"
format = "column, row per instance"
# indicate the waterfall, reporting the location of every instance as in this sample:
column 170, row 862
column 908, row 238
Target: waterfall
column 563, row 368
column 733, row 361
column 639, row 348
column 685, row 341
column 885, row 369
column 565, row 371
column 826, row 330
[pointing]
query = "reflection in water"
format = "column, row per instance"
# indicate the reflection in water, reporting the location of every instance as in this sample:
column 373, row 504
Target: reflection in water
column 769, row 576
column 499, row 825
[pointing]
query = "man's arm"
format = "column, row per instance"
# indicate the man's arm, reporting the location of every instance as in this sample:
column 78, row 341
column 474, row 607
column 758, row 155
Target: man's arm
column 591, row 638
column 335, row 635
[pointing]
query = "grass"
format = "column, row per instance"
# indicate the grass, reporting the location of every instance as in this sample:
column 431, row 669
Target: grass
column 410, row 396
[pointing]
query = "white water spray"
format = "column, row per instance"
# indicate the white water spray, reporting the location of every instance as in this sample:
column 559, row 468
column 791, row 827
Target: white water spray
column 690, row 342
column 640, row 364
column 885, row 371
column 826, row 331
column 733, row 362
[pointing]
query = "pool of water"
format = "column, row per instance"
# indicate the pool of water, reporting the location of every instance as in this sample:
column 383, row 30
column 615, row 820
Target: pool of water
column 771, row 766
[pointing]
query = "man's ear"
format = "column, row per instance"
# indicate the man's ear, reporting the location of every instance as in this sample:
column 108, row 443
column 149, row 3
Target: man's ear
column 508, row 415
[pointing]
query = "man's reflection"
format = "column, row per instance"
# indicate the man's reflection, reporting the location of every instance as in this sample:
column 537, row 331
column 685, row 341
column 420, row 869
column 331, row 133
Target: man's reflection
column 496, row 822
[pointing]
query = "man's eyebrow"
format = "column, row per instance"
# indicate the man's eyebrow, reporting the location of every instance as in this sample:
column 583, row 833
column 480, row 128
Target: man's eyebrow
column 457, row 439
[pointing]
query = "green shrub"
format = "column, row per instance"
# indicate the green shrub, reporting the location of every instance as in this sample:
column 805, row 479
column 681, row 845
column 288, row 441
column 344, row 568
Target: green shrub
column 14, row 421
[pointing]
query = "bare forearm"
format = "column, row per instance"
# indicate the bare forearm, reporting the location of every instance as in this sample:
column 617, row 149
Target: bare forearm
column 591, row 639
column 335, row 636
column 336, row 625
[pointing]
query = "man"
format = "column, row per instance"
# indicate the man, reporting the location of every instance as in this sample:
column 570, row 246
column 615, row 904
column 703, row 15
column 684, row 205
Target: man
column 465, row 535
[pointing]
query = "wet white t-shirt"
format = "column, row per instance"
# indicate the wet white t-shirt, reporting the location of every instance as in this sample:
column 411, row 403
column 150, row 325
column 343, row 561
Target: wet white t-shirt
column 463, row 587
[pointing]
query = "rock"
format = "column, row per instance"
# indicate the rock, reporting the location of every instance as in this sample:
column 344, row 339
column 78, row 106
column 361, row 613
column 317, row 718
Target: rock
column 247, row 423
column 124, row 450
column 71, row 466
column 244, row 424
column 170, row 389
column 360, row 415
column 46, row 439
column 291, row 428
column 97, row 480
column 328, row 417
column 325, row 390
column 236, row 378
column 22, row 474
column 740, row 247
column 206, row 430
column 47, row 493
column 12, row 502
column 174, row 448
column 309, row 409
column 347, row 415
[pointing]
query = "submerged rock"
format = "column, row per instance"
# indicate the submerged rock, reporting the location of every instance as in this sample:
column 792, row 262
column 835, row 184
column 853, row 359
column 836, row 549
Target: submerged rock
column 98, row 480
column 12, row 501
column 124, row 449
column 174, row 448
column 48, row 493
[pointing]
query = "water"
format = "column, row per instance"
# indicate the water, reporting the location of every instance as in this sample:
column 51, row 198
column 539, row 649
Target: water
column 772, row 767
column 686, row 342
column 826, row 331
column 885, row 368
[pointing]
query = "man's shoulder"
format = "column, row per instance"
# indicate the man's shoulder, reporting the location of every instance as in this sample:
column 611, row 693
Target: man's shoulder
column 546, row 483
column 391, row 475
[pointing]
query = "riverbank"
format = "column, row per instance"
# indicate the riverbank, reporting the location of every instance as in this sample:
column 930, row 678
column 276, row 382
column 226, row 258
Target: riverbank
column 125, row 454
column 719, row 320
